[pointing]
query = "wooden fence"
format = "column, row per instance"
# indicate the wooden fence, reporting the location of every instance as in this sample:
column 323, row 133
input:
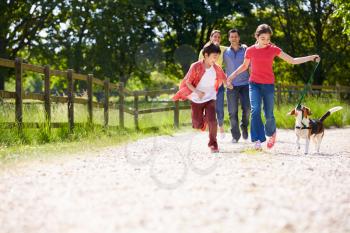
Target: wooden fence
column 282, row 92
column 71, row 99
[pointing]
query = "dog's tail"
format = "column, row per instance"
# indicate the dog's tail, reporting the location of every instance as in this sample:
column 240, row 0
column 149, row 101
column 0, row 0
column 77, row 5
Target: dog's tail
column 329, row 112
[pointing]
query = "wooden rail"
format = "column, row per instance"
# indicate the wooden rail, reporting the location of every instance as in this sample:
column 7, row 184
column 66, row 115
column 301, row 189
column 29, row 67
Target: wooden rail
column 70, row 99
column 282, row 92
column 70, row 76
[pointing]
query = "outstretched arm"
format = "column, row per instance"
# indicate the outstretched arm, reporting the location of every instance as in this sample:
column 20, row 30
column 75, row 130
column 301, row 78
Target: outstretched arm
column 239, row 70
column 298, row 60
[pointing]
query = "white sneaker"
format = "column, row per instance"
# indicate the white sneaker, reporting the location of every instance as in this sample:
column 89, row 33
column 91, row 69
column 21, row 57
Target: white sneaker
column 222, row 136
column 257, row 145
column 234, row 141
column 222, row 132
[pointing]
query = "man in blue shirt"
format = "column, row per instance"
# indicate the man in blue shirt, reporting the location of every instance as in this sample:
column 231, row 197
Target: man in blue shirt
column 233, row 58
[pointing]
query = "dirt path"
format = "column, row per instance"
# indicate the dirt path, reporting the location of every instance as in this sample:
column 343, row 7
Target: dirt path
column 172, row 184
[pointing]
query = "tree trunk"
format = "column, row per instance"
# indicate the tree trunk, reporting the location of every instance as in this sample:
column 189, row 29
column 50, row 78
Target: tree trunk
column 3, row 70
column 2, row 79
column 317, row 13
column 201, row 38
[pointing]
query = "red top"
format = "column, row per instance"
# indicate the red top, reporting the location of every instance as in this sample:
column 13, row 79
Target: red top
column 261, row 60
column 194, row 75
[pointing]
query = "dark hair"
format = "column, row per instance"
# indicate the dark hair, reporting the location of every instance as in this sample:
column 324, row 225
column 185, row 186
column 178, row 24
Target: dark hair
column 234, row 30
column 211, row 48
column 263, row 28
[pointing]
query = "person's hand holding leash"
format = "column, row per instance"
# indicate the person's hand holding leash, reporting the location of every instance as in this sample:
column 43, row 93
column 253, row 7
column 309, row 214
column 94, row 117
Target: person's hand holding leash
column 316, row 58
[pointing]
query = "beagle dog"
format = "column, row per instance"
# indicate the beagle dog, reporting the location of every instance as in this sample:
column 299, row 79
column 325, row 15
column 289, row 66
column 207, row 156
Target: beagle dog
column 309, row 128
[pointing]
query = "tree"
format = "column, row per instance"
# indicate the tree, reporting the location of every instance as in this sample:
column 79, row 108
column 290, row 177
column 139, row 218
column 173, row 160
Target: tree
column 306, row 27
column 99, row 37
column 66, row 44
column 129, row 39
column 343, row 11
column 119, row 29
column 21, row 22
column 191, row 22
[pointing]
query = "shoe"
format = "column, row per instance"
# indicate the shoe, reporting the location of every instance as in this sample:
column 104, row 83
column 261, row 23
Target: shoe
column 245, row 134
column 214, row 149
column 222, row 136
column 257, row 145
column 234, row 141
column 222, row 132
column 271, row 141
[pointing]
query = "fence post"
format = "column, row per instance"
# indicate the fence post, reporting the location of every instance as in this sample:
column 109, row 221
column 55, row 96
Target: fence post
column 136, row 110
column 106, row 101
column 338, row 92
column 19, row 94
column 121, row 105
column 176, row 114
column 70, row 93
column 47, row 95
column 89, row 92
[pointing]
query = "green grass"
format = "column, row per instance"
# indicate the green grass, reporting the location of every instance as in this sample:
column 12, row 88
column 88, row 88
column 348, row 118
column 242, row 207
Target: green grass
column 31, row 143
column 97, row 138
column 318, row 108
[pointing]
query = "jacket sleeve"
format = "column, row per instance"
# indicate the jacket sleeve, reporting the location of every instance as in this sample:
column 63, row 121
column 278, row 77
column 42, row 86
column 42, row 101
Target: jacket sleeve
column 184, row 91
column 190, row 76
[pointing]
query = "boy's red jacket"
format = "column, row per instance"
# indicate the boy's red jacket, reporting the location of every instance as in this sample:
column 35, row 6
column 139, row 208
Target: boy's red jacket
column 194, row 75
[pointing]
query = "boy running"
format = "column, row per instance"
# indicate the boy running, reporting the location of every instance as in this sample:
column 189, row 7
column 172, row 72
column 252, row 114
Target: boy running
column 200, row 86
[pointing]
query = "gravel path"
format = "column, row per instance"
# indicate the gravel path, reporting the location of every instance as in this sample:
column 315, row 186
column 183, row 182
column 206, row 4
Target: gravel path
column 173, row 184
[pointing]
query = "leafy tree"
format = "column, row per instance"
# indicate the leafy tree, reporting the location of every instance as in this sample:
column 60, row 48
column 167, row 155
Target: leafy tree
column 343, row 11
column 306, row 27
column 125, row 40
column 21, row 22
column 119, row 29
column 190, row 23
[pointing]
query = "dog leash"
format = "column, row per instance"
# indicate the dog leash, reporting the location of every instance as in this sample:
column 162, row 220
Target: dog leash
column 307, row 85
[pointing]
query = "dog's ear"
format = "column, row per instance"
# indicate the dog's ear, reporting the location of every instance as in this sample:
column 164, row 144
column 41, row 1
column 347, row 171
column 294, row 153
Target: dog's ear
column 291, row 113
column 306, row 111
column 309, row 111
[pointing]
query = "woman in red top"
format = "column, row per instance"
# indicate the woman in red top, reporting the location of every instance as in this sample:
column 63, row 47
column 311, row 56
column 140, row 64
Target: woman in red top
column 261, row 83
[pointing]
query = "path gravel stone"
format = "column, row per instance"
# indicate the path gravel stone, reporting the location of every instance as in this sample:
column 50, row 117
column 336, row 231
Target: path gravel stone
column 173, row 184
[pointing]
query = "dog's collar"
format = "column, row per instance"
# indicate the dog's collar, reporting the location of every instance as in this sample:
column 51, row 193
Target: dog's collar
column 304, row 127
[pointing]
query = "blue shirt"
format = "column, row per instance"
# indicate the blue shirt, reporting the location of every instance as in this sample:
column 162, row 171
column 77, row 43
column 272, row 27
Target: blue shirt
column 232, row 60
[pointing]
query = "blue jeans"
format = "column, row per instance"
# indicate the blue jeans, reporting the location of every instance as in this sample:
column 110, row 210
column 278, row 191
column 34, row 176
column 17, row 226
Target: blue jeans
column 264, row 92
column 220, row 105
column 241, row 93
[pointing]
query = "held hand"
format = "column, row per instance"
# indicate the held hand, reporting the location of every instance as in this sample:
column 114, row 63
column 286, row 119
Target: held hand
column 200, row 94
column 229, row 85
column 231, row 77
